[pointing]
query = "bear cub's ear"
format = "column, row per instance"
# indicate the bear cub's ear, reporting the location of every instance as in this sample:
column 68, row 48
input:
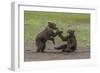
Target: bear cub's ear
column 49, row 23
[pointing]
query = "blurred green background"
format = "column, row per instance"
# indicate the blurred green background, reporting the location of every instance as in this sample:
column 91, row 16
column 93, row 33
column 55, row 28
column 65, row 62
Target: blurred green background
column 35, row 22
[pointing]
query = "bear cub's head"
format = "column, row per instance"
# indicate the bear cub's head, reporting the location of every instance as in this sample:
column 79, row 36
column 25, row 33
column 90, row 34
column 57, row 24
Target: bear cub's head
column 52, row 25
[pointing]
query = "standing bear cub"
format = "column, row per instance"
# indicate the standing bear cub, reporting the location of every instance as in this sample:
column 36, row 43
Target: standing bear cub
column 71, row 42
column 47, row 34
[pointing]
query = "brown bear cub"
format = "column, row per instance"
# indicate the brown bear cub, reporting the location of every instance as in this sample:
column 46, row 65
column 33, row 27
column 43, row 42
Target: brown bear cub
column 47, row 34
column 71, row 42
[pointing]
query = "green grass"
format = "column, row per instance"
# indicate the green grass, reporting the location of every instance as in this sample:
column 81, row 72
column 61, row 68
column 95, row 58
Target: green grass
column 37, row 21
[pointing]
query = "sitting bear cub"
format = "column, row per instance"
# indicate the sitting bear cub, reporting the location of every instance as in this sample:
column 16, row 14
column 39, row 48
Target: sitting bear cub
column 71, row 42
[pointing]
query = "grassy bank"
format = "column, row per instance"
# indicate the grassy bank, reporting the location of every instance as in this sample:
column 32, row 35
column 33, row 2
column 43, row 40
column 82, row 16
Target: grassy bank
column 37, row 21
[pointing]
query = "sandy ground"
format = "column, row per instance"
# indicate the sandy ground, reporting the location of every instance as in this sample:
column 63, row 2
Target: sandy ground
column 52, row 54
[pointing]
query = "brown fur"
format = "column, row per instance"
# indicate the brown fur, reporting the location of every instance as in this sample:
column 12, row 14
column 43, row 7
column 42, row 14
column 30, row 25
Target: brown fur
column 71, row 42
column 46, row 34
